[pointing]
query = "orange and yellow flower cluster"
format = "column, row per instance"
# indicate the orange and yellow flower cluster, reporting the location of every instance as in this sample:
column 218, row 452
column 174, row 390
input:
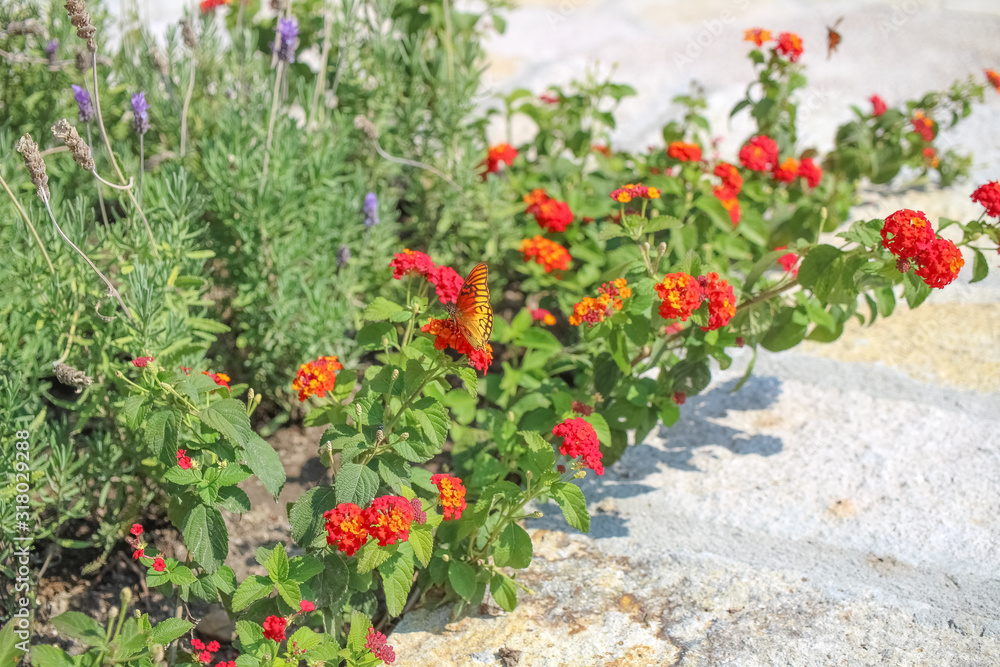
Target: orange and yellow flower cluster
column 923, row 126
column 788, row 43
column 684, row 152
column 761, row 154
column 543, row 316
column 446, row 334
column 993, row 77
column 682, row 294
column 452, row 495
column 609, row 299
column 551, row 215
column 908, row 235
column 630, row 191
column 498, row 157
column 549, row 254
column 315, row 378
column 387, row 519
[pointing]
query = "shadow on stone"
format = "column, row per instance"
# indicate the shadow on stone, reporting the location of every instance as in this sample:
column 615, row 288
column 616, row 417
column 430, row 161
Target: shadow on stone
column 675, row 448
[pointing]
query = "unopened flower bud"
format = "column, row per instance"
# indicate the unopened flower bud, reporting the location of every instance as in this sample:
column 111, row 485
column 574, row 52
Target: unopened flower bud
column 530, row 475
column 405, row 435
column 662, row 248
column 580, row 474
column 395, row 373
column 536, row 515
column 445, row 558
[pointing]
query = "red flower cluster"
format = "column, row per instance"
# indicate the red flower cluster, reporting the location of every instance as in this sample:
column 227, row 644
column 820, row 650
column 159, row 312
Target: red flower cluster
column 810, row 171
column 603, row 149
column 205, row 651
column 551, row 214
column 757, row 35
column 685, row 152
column 447, row 282
column 387, row 519
column 923, row 126
column 790, row 45
column 549, row 98
column 680, row 296
column 908, row 235
column 732, row 184
column 136, row 529
column 447, row 334
column 787, row 171
column 993, row 77
column 549, row 254
column 759, row 154
column 220, row 379
column 580, row 440
column 609, row 299
column 989, row 196
column 141, row 362
column 159, row 565
column 543, row 316
column 878, row 106
column 315, row 378
column 721, row 300
column 931, row 158
column 630, row 191
column 376, row 643
column 274, row 628
column 497, row 157
column 452, row 495
column 209, row 5
column 183, row 460
column 788, row 261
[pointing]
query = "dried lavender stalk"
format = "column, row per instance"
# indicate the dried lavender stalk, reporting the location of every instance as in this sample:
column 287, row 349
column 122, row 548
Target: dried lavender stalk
column 77, row 146
column 27, row 147
column 80, row 19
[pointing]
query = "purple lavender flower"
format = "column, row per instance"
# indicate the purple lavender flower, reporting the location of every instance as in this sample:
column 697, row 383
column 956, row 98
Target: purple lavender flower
column 343, row 255
column 371, row 210
column 50, row 48
column 288, row 33
column 140, row 111
column 83, row 101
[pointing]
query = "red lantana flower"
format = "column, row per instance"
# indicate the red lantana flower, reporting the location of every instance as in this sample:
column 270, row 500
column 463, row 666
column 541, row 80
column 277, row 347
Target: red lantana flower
column 721, row 300
column 907, row 234
column 375, row 642
column 159, row 565
column 389, row 519
column 141, row 362
column 788, row 261
column 549, row 98
column 274, row 628
column 940, row 263
column 136, row 529
column 543, row 316
column 732, row 182
column 685, row 152
column 306, row 606
column 346, row 527
column 580, row 440
column 989, row 196
column 447, row 282
column 315, row 378
column 446, row 334
column 789, row 45
column 609, row 299
column 729, row 202
column 183, row 460
column 759, row 154
column 923, row 126
column 551, row 214
column 931, row 158
column 878, row 106
column 209, row 5
column 549, row 254
column 680, row 296
column 499, row 156
column 410, row 262
column 627, row 193
column 220, row 379
column 757, row 35
column 139, row 553
column 810, row 171
column 787, row 171
column 452, row 495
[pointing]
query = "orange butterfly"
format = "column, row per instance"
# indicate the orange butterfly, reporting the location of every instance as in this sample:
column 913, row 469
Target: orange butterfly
column 472, row 313
column 833, row 38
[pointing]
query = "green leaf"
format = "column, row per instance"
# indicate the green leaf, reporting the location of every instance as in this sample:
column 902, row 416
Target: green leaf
column 470, row 379
column 251, row 636
column 463, row 578
column 159, row 430
column 573, row 504
column 179, row 475
column 818, row 264
column 537, row 338
column 332, row 583
column 601, row 427
column 433, row 420
column 414, row 376
column 79, row 626
column 277, row 564
column 397, row 578
column 182, row 576
column 42, row 655
column 168, row 630
column 306, row 515
column 422, row 540
column 359, row 631
column 10, row 653
column 253, row 588
column 233, row 499
column 370, row 336
column 383, row 383
column 372, row 555
column 303, row 568
column 229, row 417
column 513, row 547
column 134, row 411
column 210, row 326
column 356, row 484
column 504, row 591
column 289, row 592
column 380, row 309
column 205, row 536
column 980, row 268
column 265, row 463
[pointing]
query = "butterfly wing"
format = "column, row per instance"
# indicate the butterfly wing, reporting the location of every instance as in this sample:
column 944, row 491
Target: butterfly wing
column 833, row 38
column 473, row 312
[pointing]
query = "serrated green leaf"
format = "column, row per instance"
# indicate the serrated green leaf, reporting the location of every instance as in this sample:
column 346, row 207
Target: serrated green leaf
column 380, row 309
column 229, row 417
column 470, row 379
column 303, row 568
column 422, row 539
column 504, row 591
column 462, row 577
column 134, row 411
column 513, row 548
column 397, row 578
column 980, row 268
column 265, row 463
column 168, row 630
column 206, row 536
column 359, row 630
column 277, row 564
column 372, row 555
column 79, row 626
column 601, row 427
column 181, row 576
column 305, row 639
column 159, row 431
column 356, row 484
column 573, row 505
column 306, row 515
column 42, row 655
column 253, row 588
column 289, row 592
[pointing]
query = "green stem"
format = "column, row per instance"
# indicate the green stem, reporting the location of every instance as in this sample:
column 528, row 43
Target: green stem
column 27, row 220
